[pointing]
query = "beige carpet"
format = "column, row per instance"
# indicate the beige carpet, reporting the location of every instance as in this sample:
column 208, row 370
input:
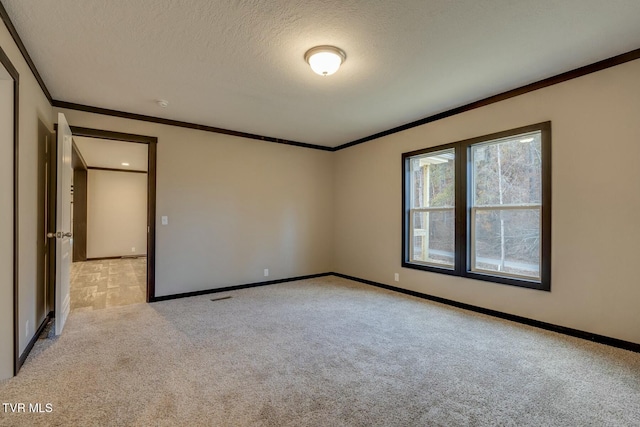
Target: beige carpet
column 321, row 352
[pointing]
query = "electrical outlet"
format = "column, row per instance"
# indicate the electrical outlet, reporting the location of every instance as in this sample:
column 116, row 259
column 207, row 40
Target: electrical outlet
column 26, row 329
column 133, row 249
column 396, row 277
column 266, row 272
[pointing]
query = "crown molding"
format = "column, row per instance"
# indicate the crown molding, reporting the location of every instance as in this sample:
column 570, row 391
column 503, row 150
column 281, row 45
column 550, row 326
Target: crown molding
column 177, row 123
column 559, row 78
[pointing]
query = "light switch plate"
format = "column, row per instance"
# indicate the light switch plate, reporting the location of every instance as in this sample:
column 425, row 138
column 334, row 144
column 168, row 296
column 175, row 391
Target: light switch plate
column 165, row 220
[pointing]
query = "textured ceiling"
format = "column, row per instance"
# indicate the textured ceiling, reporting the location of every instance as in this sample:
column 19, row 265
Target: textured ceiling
column 104, row 153
column 239, row 65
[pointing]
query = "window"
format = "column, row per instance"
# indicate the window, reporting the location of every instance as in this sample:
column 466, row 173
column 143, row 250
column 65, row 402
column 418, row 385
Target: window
column 481, row 208
column 431, row 213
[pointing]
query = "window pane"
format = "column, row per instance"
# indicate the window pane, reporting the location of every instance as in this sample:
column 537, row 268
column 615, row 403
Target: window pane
column 433, row 237
column 508, row 171
column 432, row 180
column 507, row 241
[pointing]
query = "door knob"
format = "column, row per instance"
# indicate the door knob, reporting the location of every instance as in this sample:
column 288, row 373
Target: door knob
column 59, row 235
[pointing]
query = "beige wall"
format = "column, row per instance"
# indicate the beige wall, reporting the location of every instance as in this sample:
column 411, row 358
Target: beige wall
column 596, row 204
column 235, row 206
column 116, row 213
column 34, row 107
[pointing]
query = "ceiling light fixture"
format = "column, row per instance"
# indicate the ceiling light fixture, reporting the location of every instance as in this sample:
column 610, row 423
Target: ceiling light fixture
column 325, row 60
column 125, row 164
column 162, row 103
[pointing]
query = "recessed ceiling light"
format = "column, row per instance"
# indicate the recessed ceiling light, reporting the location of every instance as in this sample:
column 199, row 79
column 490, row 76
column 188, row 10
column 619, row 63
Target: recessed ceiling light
column 162, row 103
column 125, row 164
column 325, row 60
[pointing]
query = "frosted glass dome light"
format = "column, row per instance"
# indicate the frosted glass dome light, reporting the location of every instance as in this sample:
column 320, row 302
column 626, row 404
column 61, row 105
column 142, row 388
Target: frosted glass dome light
column 325, row 60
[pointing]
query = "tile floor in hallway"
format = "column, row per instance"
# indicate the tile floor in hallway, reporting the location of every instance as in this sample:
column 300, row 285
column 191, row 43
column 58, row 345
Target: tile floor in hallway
column 108, row 283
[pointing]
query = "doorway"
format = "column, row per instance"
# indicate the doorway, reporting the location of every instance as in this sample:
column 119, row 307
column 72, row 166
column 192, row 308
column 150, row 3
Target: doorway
column 109, row 222
column 113, row 219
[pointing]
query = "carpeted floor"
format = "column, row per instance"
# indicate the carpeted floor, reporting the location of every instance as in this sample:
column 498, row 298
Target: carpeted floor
column 321, row 352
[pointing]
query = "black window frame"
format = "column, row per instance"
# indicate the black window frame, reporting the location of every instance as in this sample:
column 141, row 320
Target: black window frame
column 462, row 167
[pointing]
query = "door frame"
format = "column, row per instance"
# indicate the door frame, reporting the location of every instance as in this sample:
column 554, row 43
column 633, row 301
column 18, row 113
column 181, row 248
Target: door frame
column 79, row 208
column 151, row 142
column 6, row 62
